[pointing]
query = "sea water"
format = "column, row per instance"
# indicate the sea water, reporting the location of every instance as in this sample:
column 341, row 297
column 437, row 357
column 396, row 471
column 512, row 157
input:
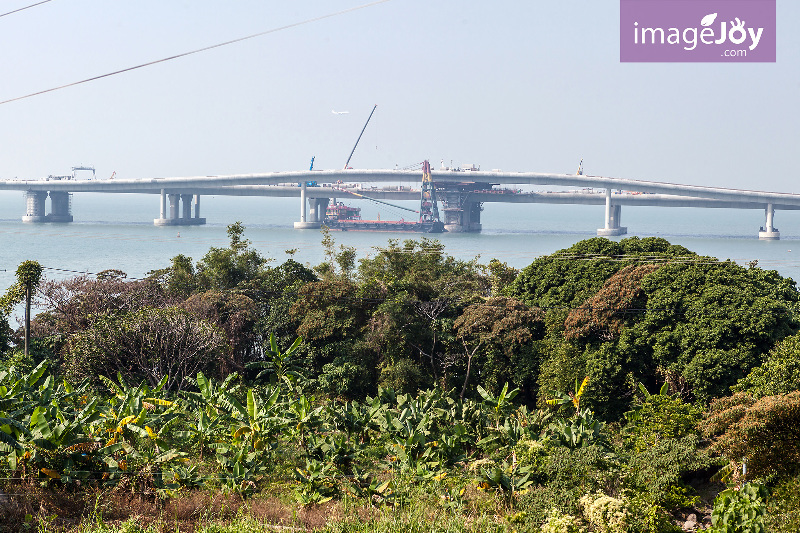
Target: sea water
column 116, row 231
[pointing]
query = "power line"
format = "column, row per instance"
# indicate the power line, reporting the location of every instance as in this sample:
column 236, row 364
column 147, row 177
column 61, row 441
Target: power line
column 184, row 54
column 26, row 7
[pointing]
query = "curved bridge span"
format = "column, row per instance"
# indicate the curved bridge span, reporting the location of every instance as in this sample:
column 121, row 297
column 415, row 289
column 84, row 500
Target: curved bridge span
column 465, row 191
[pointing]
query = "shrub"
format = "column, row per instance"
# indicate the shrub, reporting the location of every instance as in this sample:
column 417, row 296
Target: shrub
column 656, row 473
column 604, row 513
column 568, row 475
column 659, row 416
column 345, row 377
column 558, row 522
column 148, row 344
column 764, row 432
column 778, row 374
column 403, row 376
column 784, row 507
column 740, row 510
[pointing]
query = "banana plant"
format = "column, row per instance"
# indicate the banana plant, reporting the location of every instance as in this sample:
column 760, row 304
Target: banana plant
column 579, row 431
column 574, row 398
column 212, row 396
column 355, row 419
column 187, row 477
column 280, row 367
column 203, row 429
column 507, row 478
column 256, row 426
column 498, row 404
column 337, row 450
column 318, row 482
column 303, row 418
column 365, row 485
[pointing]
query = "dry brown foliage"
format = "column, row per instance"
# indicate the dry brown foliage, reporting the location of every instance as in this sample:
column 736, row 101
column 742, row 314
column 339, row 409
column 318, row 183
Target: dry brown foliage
column 604, row 314
column 765, row 433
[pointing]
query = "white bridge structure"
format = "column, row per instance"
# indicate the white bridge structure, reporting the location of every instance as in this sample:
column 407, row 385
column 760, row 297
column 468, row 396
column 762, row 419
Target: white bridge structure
column 461, row 192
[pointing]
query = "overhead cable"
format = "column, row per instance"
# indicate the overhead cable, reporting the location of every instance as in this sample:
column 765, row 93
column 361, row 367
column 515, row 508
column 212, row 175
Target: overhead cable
column 204, row 49
column 24, row 8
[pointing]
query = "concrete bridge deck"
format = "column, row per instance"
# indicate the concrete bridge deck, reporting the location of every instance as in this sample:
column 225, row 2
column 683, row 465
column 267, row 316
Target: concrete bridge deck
column 471, row 185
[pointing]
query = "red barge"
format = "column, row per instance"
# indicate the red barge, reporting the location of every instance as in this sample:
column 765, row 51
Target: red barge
column 346, row 218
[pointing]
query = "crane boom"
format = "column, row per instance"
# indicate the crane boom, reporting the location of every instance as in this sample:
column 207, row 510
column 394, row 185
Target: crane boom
column 376, row 200
column 359, row 137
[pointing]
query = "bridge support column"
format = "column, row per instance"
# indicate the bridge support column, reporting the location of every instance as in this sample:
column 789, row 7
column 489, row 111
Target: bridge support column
column 59, row 207
column 613, row 216
column 473, row 210
column 34, row 206
column 174, row 205
column 304, row 224
column 179, row 215
column 769, row 232
column 186, row 214
column 320, row 208
column 163, row 204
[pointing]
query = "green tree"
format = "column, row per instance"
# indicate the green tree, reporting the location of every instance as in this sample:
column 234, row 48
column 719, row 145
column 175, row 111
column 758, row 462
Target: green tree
column 180, row 278
column 568, row 277
column 778, row 374
column 226, row 268
column 331, row 316
column 338, row 264
column 419, row 290
column 496, row 330
column 29, row 274
column 274, row 293
column 710, row 322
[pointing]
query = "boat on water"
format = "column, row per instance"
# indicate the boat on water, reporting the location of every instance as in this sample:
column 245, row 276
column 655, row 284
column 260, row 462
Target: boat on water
column 339, row 216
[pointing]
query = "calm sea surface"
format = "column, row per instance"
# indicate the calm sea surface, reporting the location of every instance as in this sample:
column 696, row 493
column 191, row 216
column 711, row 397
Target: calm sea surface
column 116, row 231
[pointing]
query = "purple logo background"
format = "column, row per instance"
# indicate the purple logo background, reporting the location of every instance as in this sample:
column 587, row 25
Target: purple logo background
column 686, row 16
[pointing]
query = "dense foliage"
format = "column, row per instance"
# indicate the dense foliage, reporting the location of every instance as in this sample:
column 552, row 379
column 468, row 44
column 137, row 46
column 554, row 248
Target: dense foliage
column 473, row 391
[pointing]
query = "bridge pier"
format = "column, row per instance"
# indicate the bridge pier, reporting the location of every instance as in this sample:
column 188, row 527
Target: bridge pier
column 177, row 216
column 319, row 206
column 34, row 206
column 59, row 207
column 769, row 232
column 461, row 213
column 613, row 217
column 306, row 224
column 186, row 199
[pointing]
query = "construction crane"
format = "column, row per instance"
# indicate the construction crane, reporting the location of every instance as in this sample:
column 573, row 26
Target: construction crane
column 346, row 165
column 428, row 208
column 310, row 183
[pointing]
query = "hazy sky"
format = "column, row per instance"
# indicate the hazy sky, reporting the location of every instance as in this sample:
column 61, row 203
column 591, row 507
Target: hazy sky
column 517, row 86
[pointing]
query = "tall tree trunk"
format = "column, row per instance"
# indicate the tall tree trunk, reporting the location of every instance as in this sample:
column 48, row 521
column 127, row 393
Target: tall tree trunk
column 27, row 318
column 470, row 355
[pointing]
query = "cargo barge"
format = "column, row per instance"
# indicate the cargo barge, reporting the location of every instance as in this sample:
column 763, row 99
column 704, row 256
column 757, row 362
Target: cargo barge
column 339, row 216
column 346, row 218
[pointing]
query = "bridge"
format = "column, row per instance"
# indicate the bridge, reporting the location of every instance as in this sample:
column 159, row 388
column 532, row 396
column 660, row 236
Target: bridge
column 461, row 192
